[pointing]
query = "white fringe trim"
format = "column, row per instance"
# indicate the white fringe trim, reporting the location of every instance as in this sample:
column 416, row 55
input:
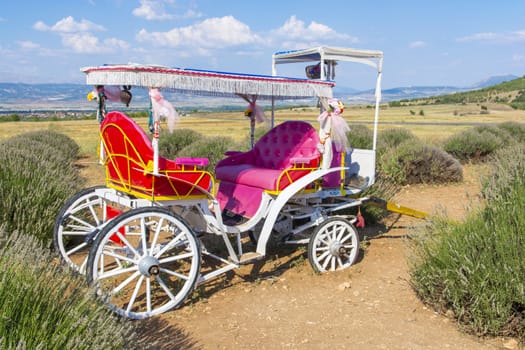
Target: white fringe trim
column 208, row 83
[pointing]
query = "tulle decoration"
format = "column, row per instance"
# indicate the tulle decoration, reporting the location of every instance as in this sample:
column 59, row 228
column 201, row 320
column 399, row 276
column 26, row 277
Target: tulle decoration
column 257, row 112
column 112, row 93
column 254, row 108
column 163, row 108
column 339, row 127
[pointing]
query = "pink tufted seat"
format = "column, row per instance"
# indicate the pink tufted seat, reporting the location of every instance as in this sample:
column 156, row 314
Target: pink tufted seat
column 282, row 156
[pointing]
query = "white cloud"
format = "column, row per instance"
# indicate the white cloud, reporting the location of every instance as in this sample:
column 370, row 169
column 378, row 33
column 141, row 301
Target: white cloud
column 508, row 37
column 78, row 36
column 114, row 44
column 90, row 44
column 81, row 43
column 212, row 33
column 152, row 10
column 69, row 25
column 417, row 44
column 294, row 28
column 28, row 45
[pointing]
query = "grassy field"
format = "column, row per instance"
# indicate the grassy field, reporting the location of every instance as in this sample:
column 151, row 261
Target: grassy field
column 433, row 123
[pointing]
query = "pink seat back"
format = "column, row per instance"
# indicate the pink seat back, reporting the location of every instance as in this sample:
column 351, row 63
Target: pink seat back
column 289, row 140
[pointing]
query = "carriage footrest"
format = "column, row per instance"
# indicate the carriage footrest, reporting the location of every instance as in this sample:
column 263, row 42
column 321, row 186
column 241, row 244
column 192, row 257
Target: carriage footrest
column 247, row 258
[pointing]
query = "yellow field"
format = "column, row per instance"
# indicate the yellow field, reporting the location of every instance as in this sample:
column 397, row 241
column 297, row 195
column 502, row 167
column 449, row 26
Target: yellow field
column 434, row 125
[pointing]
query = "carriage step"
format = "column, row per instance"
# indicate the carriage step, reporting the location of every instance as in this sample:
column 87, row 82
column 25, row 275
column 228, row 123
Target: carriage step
column 249, row 257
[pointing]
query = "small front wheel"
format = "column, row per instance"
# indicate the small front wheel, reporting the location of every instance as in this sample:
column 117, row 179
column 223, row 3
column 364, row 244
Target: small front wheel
column 144, row 262
column 333, row 246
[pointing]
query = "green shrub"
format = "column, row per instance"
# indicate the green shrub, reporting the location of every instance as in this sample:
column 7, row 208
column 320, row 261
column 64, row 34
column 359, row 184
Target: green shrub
column 472, row 145
column 170, row 144
column 52, row 146
column 481, row 141
column 212, row 148
column 37, row 175
column 44, row 306
column 413, row 162
column 475, row 268
column 502, row 134
column 360, row 136
column 391, row 138
column 516, row 130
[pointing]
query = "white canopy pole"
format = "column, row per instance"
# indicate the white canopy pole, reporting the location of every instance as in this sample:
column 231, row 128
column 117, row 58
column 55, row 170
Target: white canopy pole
column 378, row 100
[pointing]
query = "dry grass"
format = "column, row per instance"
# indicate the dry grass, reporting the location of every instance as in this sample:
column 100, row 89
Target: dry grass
column 235, row 125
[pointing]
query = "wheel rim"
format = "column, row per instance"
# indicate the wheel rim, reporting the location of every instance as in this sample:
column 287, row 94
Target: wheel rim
column 335, row 246
column 150, row 268
column 76, row 225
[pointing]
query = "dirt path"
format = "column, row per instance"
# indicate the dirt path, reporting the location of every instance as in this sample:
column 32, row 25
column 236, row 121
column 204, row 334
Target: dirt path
column 368, row 306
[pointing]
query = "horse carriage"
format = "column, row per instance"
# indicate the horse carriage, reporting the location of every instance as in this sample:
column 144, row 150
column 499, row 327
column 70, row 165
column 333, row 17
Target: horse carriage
column 140, row 238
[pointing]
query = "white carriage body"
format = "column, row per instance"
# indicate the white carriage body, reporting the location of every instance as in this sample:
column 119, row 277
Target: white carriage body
column 291, row 211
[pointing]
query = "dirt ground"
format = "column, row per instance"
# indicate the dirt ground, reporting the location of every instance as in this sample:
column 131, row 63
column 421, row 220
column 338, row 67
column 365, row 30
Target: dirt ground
column 281, row 304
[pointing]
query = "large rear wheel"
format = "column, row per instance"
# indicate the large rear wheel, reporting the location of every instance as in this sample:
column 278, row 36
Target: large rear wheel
column 145, row 262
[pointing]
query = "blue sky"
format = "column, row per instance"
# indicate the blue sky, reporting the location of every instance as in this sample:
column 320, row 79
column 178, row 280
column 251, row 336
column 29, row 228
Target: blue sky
column 446, row 42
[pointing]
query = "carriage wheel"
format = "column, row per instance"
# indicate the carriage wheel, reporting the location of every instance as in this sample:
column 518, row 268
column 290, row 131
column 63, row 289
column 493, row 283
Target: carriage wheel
column 77, row 224
column 334, row 245
column 144, row 262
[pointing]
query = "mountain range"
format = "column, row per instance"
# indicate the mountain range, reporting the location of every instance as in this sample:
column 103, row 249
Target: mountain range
column 20, row 97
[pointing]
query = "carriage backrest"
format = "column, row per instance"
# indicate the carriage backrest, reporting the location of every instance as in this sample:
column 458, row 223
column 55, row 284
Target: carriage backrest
column 289, row 140
column 127, row 148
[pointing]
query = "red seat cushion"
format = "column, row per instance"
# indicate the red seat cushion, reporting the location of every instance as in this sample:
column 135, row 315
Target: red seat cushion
column 129, row 163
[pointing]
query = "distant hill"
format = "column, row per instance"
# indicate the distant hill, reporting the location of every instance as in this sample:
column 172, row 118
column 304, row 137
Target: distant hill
column 495, row 80
column 402, row 93
column 18, row 96
column 418, row 92
column 510, row 92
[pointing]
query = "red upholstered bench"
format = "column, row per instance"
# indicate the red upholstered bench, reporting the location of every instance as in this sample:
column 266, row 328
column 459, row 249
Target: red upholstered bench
column 128, row 157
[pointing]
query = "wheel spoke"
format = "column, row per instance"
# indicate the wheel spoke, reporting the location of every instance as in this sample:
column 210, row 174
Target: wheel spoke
column 148, row 294
column 126, row 242
column 175, row 258
column 322, row 238
column 143, row 232
column 95, row 216
column 345, row 238
column 135, row 293
column 341, row 232
column 76, row 249
column 173, row 273
column 332, row 263
column 170, row 245
column 327, row 260
column 119, row 257
column 166, row 289
column 322, row 256
column 85, row 224
column 340, row 262
column 322, row 248
column 82, row 267
column 125, row 283
column 156, row 235
column 118, row 271
column 80, row 231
